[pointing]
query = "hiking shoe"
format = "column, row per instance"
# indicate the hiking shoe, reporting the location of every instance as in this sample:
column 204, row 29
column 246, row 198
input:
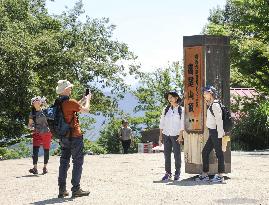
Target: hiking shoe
column 45, row 170
column 33, row 171
column 63, row 194
column 177, row 176
column 167, row 177
column 80, row 193
column 202, row 178
column 217, row 179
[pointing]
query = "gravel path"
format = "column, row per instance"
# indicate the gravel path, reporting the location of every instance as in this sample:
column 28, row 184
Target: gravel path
column 135, row 179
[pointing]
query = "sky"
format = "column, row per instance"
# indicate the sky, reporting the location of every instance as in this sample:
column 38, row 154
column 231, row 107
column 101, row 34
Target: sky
column 153, row 29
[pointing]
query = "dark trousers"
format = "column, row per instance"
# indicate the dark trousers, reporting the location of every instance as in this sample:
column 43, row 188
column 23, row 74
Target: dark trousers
column 170, row 142
column 71, row 147
column 216, row 143
column 126, row 145
column 35, row 155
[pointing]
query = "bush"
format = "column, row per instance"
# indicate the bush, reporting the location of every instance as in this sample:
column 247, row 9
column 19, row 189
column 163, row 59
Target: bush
column 251, row 128
column 20, row 151
column 109, row 139
column 93, row 147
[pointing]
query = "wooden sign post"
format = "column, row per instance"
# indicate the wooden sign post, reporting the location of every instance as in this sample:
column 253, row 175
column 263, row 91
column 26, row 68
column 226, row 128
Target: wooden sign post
column 206, row 62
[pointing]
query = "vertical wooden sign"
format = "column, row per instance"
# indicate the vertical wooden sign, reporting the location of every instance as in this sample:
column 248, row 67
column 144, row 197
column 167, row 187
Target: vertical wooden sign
column 206, row 62
column 193, row 75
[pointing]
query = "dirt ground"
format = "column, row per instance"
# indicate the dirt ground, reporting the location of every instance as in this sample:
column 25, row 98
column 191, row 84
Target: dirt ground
column 135, row 179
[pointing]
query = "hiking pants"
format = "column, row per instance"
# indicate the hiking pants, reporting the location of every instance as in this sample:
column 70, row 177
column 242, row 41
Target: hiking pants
column 170, row 142
column 72, row 146
column 126, row 145
column 216, row 143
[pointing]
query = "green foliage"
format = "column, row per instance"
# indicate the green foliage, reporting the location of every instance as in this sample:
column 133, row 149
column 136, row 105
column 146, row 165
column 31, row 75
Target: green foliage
column 93, row 147
column 37, row 50
column 109, row 138
column 152, row 91
column 21, row 151
column 251, row 128
column 247, row 23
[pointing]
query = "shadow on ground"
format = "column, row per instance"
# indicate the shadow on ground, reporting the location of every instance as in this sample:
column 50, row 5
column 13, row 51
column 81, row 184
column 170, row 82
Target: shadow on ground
column 189, row 181
column 52, row 201
column 30, row 175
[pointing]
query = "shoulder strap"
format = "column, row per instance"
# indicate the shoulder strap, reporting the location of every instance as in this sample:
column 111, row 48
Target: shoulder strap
column 34, row 115
column 166, row 109
column 179, row 111
column 211, row 109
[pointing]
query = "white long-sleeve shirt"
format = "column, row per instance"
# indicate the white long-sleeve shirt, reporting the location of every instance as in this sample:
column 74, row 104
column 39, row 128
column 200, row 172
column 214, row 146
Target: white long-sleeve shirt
column 171, row 123
column 213, row 122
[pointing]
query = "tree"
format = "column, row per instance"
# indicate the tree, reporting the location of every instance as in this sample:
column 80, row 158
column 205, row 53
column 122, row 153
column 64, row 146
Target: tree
column 37, row 50
column 152, row 90
column 247, row 23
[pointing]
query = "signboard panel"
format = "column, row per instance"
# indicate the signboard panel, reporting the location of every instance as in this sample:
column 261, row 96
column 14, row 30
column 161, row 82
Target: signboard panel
column 194, row 81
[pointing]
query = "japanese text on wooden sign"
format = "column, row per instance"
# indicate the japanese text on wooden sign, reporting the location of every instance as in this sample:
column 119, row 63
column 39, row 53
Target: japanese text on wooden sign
column 194, row 75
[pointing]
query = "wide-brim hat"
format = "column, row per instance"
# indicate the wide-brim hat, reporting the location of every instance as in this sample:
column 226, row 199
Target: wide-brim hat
column 62, row 85
column 36, row 98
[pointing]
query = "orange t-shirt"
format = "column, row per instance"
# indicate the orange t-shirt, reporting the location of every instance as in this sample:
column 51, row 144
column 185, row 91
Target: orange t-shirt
column 70, row 107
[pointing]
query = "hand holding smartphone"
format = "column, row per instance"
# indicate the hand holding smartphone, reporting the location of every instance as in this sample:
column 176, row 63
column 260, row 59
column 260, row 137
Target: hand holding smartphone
column 88, row 93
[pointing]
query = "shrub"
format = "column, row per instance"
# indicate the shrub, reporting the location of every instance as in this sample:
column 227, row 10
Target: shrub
column 251, row 128
column 93, row 147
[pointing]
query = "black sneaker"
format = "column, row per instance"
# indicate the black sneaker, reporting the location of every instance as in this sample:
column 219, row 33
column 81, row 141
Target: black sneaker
column 177, row 176
column 63, row 194
column 33, row 171
column 80, row 193
column 45, row 170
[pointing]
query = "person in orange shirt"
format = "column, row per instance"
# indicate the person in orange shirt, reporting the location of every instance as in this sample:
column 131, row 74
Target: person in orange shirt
column 73, row 144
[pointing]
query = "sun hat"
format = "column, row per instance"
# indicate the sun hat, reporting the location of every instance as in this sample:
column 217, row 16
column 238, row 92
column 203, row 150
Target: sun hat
column 36, row 98
column 62, row 85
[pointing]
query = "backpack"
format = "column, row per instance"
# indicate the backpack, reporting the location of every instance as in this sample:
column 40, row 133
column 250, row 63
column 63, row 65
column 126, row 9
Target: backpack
column 226, row 117
column 56, row 121
column 179, row 110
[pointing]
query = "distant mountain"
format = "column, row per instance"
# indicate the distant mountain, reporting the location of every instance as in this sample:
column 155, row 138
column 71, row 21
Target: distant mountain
column 127, row 104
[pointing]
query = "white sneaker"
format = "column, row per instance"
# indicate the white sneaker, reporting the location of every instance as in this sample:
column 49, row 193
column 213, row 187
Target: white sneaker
column 202, row 178
column 217, row 179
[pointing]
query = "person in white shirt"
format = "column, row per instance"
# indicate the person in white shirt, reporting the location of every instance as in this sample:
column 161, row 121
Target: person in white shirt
column 171, row 133
column 214, row 124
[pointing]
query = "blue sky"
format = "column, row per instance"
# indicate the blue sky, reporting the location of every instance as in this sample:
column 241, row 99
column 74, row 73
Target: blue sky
column 153, row 29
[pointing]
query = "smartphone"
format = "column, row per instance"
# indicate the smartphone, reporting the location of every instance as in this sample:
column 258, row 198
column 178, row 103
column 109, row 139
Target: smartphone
column 87, row 91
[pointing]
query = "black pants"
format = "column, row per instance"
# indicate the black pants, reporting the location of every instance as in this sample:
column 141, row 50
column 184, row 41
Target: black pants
column 35, row 155
column 170, row 142
column 71, row 147
column 216, row 143
column 126, row 145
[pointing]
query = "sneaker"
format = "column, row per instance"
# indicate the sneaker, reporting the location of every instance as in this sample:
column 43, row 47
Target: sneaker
column 80, row 193
column 63, row 194
column 45, row 170
column 202, row 178
column 217, row 179
column 167, row 177
column 177, row 176
column 33, row 171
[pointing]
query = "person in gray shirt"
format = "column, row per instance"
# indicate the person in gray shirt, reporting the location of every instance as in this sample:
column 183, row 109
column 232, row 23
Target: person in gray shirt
column 126, row 136
column 41, row 133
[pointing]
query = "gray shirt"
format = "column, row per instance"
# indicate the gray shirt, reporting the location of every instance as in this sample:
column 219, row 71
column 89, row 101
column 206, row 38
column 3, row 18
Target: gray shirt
column 125, row 133
column 40, row 122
